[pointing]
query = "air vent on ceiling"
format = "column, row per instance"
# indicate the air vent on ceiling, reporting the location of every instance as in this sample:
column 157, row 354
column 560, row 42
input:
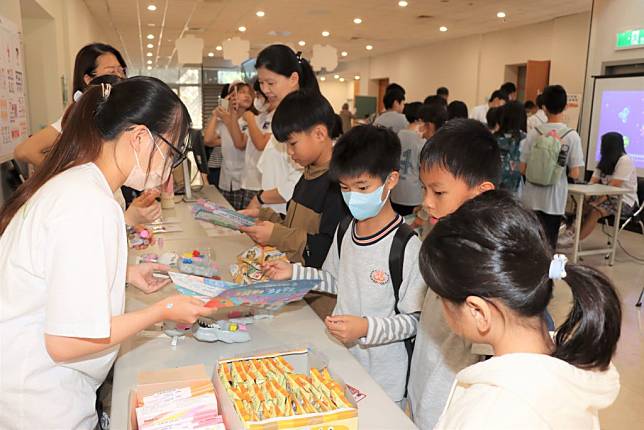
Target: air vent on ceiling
column 424, row 17
column 196, row 29
column 356, row 38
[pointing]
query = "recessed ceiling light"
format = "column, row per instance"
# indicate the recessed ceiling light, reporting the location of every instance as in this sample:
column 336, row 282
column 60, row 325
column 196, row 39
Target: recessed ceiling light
column 301, row 43
column 150, row 36
column 344, row 53
column 152, row 8
column 326, row 33
column 336, row 76
column 501, row 15
column 242, row 28
column 443, row 29
column 368, row 47
column 323, row 78
column 356, row 77
column 260, row 13
column 149, row 54
column 357, row 21
column 403, row 3
column 218, row 48
column 149, row 61
column 150, row 46
column 211, row 54
column 149, row 67
column 151, row 24
column 341, row 79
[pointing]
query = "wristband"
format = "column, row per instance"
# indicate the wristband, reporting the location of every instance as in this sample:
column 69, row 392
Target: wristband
column 259, row 197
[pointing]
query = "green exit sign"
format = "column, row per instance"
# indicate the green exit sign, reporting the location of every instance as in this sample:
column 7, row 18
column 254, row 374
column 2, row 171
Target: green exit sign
column 630, row 39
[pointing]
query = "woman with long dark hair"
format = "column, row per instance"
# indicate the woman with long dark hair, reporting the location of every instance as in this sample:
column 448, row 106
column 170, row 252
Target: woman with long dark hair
column 63, row 253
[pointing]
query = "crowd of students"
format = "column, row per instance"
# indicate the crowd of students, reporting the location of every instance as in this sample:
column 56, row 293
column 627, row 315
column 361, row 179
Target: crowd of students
column 336, row 209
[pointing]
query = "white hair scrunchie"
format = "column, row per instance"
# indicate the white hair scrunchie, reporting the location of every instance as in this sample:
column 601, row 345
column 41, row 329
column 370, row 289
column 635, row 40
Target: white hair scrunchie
column 558, row 267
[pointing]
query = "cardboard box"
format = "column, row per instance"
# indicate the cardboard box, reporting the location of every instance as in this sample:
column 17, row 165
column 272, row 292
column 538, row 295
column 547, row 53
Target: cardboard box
column 302, row 360
column 160, row 380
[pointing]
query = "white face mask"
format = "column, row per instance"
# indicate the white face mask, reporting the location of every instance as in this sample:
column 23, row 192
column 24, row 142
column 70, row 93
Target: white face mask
column 138, row 180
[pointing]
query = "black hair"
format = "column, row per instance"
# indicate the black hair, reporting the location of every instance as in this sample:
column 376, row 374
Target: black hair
column 466, row 149
column 492, row 117
column 411, row 111
column 282, row 60
column 611, row 150
column 508, row 88
column 457, row 109
column 366, row 149
column 435, row 99
column 336, row 132
column 498, row 94
column 555, row 99
column 512, row 118
column 539, row 101
column 434, row 113
column 494, row 248
column 529, row 105
column 300, row 111
column 395, row 86
column 442, row 91
column 85, row 63
column 225, row 89
column 103, row 79
column 257, row 88
column 391, row 96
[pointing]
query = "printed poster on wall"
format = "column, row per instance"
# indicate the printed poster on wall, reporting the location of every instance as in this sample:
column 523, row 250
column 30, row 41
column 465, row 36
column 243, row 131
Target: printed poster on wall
column 571, row 114
column 13, row 100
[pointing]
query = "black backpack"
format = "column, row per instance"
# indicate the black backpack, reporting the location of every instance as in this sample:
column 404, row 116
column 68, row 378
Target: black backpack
column 403, row 234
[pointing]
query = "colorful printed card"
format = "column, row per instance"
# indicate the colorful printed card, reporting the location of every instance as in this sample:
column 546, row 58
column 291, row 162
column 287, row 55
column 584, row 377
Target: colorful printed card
column 205, row 210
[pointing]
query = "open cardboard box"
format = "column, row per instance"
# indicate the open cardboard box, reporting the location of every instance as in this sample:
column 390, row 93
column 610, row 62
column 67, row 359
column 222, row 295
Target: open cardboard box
column 160, row 380
column 302, row 360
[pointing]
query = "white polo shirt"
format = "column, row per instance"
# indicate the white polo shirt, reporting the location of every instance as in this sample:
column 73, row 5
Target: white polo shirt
column 63, row 259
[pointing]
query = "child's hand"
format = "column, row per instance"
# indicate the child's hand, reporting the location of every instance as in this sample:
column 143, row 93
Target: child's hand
column 182, row 309
column 251, row 212
column 347, row 328
column 260, row 232
column 278, row 270
column 142, row 277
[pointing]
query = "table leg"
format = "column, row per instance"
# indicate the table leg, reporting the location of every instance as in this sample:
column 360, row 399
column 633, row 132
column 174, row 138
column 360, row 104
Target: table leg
column 580, row 207
column 616, row 230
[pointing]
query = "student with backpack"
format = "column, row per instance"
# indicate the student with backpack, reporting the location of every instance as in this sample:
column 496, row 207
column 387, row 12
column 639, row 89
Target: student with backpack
column 372, row 265
column 550, row 150
column 512, row 125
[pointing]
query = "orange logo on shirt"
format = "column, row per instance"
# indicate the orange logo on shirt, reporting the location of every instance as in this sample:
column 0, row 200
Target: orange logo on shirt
column 379, row 277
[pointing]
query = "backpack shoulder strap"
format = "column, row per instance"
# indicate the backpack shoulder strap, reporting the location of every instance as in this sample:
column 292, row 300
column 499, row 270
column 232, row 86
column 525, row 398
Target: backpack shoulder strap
column 566, row 133
column 343, row 225
column 538, row 131
column 397, row 258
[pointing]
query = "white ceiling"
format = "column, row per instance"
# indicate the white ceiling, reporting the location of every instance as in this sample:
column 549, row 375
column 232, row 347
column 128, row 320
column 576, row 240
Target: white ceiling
column 385, row 25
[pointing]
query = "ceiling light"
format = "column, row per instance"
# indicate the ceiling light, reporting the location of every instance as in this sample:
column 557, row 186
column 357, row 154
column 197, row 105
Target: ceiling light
column 301, row 43
column 149, row 67
column 326, row 33
column 443, row 29
column 344, row 53
column 211, row 54
column 218, row 48
column 336, row 76
column 323, row 78
column 242, row 28
column 341, row 79
column 356, row 77
column 402, row 3
column 152, row 8
column 150, row 46
column 357, row 21
column 368, row 47
column 150, row 36
column 149, row 61
column 151, row 24
column 501, row 15
column 260, row 13
column 149, row 54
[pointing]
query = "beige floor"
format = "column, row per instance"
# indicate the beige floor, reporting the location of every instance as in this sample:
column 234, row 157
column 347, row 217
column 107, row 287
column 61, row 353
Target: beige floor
column 628, row 275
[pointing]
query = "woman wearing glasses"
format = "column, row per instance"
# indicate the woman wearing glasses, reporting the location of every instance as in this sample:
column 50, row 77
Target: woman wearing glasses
column 63, row 254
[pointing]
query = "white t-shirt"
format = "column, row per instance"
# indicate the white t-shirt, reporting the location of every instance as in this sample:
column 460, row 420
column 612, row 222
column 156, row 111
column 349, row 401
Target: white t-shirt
column 251, row 176
column 395, row 121
column 551, row 200
column 63, row 259
column 537, row 119
column 479, row 113
column 233, row 158
column 624, row 171
column 278, row 170
column 409, row 191
column 57, row 125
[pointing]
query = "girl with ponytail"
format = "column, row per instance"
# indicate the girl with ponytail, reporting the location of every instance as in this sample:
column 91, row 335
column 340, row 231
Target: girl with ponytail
column 63, row 254
column 491, row 266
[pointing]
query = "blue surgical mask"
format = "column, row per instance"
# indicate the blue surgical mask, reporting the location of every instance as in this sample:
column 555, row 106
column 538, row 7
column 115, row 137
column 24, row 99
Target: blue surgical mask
column 365, row 205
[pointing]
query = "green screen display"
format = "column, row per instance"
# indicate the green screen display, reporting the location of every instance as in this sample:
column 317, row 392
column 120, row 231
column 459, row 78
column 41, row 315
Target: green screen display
column 630, row 39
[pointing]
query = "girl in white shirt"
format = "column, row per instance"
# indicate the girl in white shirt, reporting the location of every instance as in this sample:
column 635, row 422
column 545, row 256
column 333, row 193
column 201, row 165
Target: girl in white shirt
column 492, row 267
column 280, row 71
column 63, row 254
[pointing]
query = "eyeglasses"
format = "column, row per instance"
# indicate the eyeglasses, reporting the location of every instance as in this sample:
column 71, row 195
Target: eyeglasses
column 178, row 155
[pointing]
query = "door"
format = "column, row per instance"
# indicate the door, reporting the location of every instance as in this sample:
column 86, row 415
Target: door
column 537, row 78
column 382, row 87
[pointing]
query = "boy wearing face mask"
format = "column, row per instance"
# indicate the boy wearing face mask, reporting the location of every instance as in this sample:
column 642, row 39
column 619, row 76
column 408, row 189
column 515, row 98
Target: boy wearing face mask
column 367, row 318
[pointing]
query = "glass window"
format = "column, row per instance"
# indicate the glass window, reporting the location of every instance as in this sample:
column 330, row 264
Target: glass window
column 190, row 95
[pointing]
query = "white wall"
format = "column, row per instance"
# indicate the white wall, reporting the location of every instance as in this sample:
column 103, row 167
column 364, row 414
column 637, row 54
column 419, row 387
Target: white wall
column 473, row 66
column 337, row 93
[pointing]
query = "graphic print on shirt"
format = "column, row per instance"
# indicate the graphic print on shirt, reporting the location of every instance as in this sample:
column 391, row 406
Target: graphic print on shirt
column 405, row 164
column 379, row 277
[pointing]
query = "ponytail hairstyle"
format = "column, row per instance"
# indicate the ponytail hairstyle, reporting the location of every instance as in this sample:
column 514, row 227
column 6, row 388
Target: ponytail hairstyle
column 102, row 114
column 612, row 149
column 282, row 60
column 103, row 79
column 495, row 249
column 85, row 63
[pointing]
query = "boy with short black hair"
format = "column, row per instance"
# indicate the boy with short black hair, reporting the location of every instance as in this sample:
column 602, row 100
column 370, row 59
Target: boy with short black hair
column 548, row 198
column 373, row 268
column 497, row 99
column 392, row 118
column 304, row 121
column 443, row 92
column 510, row 89
column 461, row 161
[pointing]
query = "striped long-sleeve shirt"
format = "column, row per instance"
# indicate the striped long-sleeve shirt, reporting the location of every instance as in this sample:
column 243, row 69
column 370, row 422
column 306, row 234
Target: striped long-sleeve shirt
column 362, row 282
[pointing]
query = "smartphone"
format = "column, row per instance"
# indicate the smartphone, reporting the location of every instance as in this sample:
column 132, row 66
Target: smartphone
column 223, row 103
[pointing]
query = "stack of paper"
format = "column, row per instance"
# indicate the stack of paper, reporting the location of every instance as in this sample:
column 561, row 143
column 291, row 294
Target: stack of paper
column 205, row 210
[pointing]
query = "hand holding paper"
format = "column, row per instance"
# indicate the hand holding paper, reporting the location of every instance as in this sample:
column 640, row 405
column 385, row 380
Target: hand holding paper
column 347, row 328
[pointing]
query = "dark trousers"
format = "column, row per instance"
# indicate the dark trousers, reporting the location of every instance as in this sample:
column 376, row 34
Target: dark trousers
column 213, row 176
column 550, row 225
